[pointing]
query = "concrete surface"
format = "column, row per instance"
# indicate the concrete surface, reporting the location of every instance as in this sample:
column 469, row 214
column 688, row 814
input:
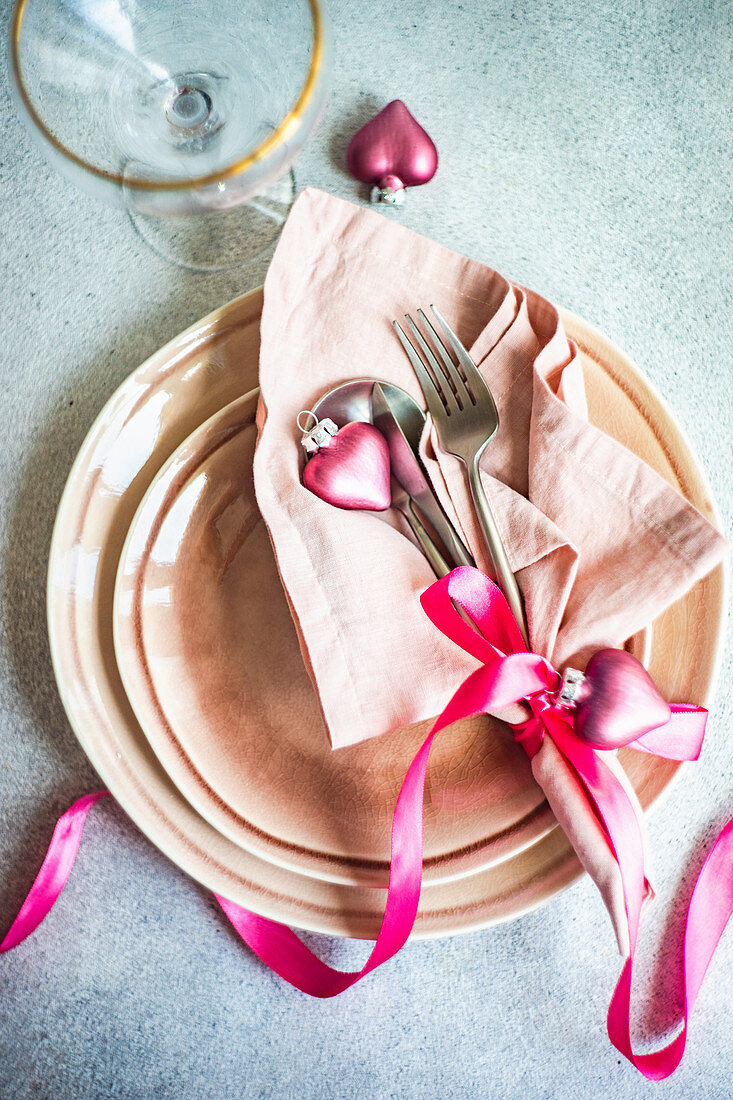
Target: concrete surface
column 586, row 152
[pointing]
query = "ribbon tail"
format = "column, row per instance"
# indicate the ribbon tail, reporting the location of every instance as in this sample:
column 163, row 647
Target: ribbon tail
column 281, row 949
column 274, row 943
column 568, row 801
column 615, row 766
column 618, row 815
column 679, row 739
column 709, row 911
column 710, row 908
column 54, row 872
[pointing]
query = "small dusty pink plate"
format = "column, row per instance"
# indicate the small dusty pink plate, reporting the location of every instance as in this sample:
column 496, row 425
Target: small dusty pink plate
column 211, row 664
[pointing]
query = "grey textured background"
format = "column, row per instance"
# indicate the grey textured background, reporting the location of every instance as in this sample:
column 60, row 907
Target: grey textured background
column 586, row 152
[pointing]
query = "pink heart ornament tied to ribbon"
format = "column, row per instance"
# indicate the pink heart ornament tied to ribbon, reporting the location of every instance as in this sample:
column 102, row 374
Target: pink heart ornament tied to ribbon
column 616, row 701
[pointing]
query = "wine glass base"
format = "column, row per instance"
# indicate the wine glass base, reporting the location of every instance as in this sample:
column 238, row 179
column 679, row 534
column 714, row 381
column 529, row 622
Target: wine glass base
column 220, row 240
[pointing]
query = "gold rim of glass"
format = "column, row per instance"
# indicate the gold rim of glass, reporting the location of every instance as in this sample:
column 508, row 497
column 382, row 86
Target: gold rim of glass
column 291, row 120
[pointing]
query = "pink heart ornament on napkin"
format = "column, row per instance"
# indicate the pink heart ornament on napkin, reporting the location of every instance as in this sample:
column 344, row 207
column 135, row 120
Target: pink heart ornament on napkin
column 351, row 469
column 617, row 701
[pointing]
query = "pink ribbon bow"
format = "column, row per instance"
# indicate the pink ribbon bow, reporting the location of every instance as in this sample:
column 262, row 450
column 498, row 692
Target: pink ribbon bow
column 508, row 674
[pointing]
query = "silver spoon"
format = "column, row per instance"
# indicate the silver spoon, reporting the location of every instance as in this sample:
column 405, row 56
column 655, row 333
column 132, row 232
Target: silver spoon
column 401, row 421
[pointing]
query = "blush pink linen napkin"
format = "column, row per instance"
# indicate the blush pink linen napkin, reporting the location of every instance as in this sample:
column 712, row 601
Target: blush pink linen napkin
column 570, row 502
column 599, row 542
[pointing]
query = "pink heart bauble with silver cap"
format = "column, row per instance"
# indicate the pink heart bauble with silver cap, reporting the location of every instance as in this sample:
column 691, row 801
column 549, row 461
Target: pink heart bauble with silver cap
column 352, row 470
column 617, row 701
column 392, row 152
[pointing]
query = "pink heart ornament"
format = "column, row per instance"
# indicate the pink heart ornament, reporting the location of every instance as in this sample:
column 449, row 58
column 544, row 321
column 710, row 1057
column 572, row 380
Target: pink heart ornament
column 618, row 701
column 392, row 151
column 353, row 470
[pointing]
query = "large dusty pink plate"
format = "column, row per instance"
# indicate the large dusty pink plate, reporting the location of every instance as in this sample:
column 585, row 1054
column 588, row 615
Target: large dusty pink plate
column 152, row 413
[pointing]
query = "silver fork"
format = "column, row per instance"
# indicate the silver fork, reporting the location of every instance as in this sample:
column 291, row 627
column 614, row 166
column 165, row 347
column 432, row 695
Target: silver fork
column 465, row 419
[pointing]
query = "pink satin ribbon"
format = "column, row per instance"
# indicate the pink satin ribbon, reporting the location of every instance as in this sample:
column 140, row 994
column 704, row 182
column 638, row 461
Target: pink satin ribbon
column 508, row 674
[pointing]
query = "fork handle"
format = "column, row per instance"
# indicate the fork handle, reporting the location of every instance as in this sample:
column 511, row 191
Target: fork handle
column 504, row 576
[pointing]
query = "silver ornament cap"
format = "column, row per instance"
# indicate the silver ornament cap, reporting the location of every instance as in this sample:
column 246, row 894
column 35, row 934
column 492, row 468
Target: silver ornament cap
column 570, row 688
column 390, row 190
column 317, row 436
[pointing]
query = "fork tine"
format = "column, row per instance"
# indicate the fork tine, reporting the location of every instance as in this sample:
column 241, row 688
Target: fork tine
column 430, row 392
column 442, row 384
column 449, row 367
column 471, row 371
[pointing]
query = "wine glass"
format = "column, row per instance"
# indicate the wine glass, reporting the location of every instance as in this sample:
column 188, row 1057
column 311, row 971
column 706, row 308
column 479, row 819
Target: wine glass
column 189, row 114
